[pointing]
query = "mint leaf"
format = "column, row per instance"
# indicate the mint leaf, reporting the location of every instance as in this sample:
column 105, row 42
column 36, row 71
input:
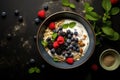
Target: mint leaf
column 65, row 2
column 115, row 11
column 65, row 26
column 37, row 70
column 87, row 7
column 71, row 5
column 115, row 37
column 89, row 17
column 54, row 35
column 44, row 43
column 108, row 31
column 106, row 4
column 31, row 70
column 72, row 24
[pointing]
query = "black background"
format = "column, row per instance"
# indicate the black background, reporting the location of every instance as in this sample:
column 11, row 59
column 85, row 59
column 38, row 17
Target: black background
column 16, row 51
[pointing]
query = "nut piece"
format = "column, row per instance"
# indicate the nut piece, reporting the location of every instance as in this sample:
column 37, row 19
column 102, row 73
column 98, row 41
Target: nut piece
column 81, row 50
column 81, row 43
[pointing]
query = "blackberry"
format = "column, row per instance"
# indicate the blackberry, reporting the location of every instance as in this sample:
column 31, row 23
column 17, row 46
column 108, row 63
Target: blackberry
column 58, row 51
column 50, row 46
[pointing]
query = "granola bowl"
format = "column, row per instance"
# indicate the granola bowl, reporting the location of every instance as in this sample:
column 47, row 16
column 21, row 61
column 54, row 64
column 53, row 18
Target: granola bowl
column 65, row 40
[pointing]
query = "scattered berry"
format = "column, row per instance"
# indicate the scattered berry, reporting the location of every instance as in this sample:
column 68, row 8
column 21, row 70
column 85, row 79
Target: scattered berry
column 45, row 7
column 113, row 2
column 94, row 67
column 60, row 40
column 37, row 20
column 3, row 14
column 55, row 44
column 41, row 14
column 52, row 25
column 35, row 37
column 16, row 12
column 9, row 36
column 20, row 18
column 32, row 61
column 70, row 60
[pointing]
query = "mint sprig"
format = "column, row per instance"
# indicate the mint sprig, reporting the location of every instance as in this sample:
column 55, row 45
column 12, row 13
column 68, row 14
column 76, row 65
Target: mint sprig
column 67, row 3
column 70, row 25
column 105, row 29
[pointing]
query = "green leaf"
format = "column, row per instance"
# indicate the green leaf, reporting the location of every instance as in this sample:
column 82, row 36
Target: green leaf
column 106, row 4
column 72, row 24
column 65, row 2
column 44, row 43
column 108, row 31
column 89, row 17
column 71, row 5
column 65, row 26
column 87, row 7
column 115, row 11
column 115, row 37
column 54, row 35
column 37, row 70
column 31, row 70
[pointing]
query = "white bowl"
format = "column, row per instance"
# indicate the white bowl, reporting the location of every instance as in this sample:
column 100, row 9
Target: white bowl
column 109, row 59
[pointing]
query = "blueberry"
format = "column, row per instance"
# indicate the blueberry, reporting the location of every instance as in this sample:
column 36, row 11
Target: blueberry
column 3, row 14
column 50, row 45
column 77, row 49
column 58, row 51
column 20, row 18
column 45, row 7
column 16, row 12
column 42, row 66
column 37, row 20
column 60, row 28
column 52, row 50
column 68, row 41
column 75, row 33
column 48, row 39
column 74, row 48
column 9, row 36
column 69, row 36
column 32, row 61
column 35, row 37
column 76, row 39
column 68, row 31
column 66, row 44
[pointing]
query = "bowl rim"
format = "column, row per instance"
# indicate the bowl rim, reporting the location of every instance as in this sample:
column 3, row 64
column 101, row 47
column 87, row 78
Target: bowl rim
column 116, row 63
column 92, row 51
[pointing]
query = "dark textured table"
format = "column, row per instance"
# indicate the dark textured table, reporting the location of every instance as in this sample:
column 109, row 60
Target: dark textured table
column 18, row 46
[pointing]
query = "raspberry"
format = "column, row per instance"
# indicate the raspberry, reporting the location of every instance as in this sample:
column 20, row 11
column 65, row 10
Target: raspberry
column 52, row 25
column 94, row 67
column 55, row 44
column 70, row 60
column 114, row 2
column 41, row 14
column 60, row 40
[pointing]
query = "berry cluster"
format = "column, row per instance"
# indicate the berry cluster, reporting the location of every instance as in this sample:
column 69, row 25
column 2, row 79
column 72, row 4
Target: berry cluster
column 65, row 43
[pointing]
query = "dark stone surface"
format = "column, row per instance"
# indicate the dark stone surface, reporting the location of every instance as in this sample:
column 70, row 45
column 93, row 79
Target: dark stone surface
column 18, row 46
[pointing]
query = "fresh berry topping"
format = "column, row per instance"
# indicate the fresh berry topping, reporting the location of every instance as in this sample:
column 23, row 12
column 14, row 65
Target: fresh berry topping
column 52, row 50
column 20, row 18
column 16, row 12
column 60, row 40
column 113, row 2
column 3, row 14
column 94, row 67
column 55, row 44
column 45, row 7
column 37, row 20
column 9, row 36
column 41, row 14
column 52, row 25
column 70, row 60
